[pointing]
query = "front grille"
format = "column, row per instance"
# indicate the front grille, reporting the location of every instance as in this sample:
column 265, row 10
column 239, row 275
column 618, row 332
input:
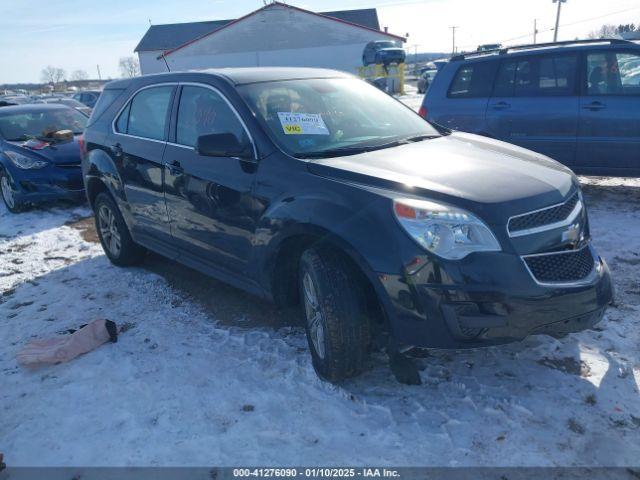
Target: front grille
column 543, row 217
column 563, row 267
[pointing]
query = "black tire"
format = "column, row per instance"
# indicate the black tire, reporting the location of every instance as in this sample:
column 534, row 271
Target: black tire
column 341, row 302
column 129, row 252
column 12, row 205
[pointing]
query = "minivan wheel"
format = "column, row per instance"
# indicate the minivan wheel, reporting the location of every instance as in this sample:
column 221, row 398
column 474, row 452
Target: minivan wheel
column 334, row 304
column 8, row 194
column 113, row 233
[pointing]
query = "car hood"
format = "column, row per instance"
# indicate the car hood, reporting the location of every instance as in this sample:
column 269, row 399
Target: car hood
column 492, row 178
column 63, row 153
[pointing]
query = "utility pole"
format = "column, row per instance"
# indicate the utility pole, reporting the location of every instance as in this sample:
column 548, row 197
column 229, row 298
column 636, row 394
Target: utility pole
column 99, row 76
column 453, row 33
column 535, row 30
column 555, row 30
column 415, row 52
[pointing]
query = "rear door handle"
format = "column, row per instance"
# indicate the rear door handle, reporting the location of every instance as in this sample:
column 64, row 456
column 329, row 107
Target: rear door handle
column 594, row 106
column 500, row 105
column 175, row 168
column 116, row 150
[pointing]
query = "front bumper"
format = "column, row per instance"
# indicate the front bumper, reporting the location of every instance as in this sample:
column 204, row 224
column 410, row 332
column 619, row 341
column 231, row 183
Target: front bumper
column 488, row 299
column 47, row 184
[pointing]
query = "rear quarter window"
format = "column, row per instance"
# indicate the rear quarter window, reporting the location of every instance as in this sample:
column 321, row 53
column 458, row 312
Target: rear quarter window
column 105, row 100
column 473, row 80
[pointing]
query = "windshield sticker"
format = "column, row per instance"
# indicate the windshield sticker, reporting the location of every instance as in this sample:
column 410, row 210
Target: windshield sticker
column 302, row 123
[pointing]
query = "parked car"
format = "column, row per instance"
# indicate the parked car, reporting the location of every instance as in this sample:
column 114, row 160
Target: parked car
column 39, row 155
column 577, row 102
column 69, row 102
column 87, row 97
column 382, row 52
column 310, row 187
column 425, row 79
column 489, row 46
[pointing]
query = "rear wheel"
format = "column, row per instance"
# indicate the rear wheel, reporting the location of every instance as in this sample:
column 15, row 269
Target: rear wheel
column 335, row 308
column 113, row 233
column 8, row 193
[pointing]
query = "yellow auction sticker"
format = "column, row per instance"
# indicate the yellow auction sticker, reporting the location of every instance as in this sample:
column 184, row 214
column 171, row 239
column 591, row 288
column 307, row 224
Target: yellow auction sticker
column 292, row 129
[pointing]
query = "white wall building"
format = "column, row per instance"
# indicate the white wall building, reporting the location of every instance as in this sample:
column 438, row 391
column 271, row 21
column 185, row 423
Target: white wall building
column 275, row 35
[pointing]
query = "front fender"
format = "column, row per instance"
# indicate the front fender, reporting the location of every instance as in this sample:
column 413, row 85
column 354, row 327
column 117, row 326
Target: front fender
column 364, row 230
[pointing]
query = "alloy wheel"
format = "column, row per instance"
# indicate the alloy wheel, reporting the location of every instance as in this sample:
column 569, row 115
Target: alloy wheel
column 109, row 230
column 315, row 321
column 7, row 192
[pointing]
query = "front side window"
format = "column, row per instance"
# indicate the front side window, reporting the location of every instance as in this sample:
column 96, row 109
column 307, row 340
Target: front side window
column 472, row 81
column 332, row 117
column 611, row 73
column 537, row 77
column 146, row 115
column 203, row 111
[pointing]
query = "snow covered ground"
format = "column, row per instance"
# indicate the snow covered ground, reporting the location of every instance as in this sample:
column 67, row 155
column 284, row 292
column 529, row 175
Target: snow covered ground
column 205, row 375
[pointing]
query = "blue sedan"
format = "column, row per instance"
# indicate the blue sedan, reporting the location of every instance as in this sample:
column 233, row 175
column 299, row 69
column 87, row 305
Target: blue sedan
column 40, row 154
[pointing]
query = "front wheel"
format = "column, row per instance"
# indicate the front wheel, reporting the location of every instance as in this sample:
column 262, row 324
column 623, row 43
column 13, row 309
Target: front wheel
column 113, row 233
column 8, row 194
column 335, row 307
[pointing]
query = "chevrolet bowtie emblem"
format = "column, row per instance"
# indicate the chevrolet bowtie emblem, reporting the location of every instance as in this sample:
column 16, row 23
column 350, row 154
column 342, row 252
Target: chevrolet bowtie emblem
column 572, row 234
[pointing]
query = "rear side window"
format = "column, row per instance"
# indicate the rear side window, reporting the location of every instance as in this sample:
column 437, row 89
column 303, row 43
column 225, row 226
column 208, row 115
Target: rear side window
column 613, row 73
column 105, row 100
column 146, row 113
column 537, row 77
column 473, row 80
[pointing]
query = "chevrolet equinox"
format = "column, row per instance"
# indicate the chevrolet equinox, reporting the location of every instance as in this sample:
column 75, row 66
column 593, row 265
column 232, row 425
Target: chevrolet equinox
column 309, row 187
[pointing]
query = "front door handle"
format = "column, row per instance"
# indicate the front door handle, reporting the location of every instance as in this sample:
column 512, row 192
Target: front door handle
column 175, row 168
column 500, row 105
column 594, row 106
column 116, row 150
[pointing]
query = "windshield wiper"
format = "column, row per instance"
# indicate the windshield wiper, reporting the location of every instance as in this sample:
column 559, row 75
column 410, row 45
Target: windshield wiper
column 343, row 151
column 419, row 138
column 354, row 150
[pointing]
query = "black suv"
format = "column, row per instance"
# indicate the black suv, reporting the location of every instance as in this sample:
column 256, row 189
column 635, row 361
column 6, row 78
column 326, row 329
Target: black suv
column 313, row 188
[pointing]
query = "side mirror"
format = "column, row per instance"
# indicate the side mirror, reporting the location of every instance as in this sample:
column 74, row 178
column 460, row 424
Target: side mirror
column 223, row 145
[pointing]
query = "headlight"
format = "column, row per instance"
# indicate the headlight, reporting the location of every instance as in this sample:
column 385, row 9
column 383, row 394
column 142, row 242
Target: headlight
column 24, row 162
column 446, row 231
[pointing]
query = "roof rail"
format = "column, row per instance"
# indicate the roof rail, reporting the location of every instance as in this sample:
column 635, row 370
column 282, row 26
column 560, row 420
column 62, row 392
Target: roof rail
column 505, row 50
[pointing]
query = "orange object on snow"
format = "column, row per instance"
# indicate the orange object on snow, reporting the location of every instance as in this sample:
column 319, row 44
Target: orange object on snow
column 68, row 347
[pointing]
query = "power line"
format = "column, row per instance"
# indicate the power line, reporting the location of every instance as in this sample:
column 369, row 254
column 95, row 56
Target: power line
column 528, row 35
column 572, row 23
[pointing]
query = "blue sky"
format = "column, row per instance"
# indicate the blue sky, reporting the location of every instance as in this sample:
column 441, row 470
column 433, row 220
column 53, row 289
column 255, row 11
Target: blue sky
column 79, row 34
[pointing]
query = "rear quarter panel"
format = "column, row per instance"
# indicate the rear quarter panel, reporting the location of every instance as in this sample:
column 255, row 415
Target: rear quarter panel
column 464, row 114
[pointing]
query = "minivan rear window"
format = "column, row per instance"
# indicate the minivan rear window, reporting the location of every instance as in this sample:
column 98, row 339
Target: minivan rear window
column 473, row 80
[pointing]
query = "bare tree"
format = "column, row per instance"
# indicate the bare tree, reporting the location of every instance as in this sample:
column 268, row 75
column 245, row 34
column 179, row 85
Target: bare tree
column 605, row 31
column 79, row 75
column 52, row 75
column 129, row 67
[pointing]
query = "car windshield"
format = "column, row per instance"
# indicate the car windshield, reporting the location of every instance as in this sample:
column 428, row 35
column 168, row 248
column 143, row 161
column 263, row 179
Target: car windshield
column 17, row 126
column 332, row 117
column 385, row 45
